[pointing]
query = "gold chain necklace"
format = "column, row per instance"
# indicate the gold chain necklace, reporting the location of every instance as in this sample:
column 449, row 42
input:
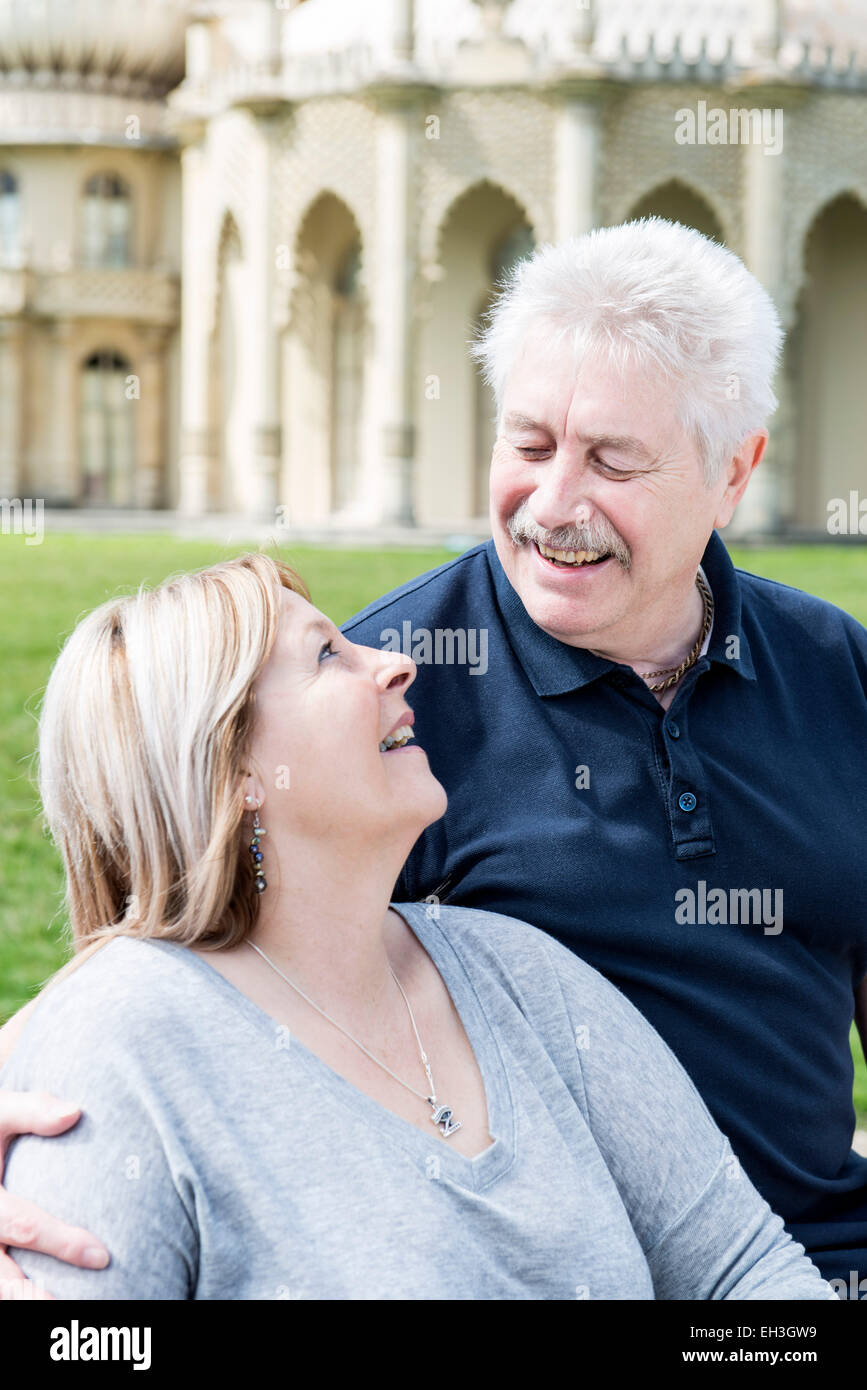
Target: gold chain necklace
column 674, row 673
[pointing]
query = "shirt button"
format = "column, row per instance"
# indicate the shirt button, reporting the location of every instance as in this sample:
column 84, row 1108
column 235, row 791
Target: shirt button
column 686, row 801
column 673, row 728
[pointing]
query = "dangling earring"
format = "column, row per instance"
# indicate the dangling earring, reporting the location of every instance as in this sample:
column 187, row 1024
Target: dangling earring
column 259, row 881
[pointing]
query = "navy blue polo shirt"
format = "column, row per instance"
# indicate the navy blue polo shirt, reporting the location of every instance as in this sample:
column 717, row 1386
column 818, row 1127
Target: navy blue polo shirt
column 709, row 859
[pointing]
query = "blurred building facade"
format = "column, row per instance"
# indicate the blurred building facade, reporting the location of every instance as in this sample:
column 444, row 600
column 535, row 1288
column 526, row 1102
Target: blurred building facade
column 243, row 244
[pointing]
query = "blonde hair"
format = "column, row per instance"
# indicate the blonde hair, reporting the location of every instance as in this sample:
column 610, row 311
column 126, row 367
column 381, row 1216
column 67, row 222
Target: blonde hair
column 144, row 733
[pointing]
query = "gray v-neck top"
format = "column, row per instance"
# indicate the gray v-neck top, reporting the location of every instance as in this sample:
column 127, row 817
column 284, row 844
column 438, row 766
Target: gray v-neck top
column 219, row 1158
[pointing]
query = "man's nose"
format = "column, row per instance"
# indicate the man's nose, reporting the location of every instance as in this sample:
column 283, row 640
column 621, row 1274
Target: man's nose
column 563, row 495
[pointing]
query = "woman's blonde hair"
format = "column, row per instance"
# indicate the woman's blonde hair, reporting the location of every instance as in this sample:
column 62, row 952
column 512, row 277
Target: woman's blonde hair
column 144, row 733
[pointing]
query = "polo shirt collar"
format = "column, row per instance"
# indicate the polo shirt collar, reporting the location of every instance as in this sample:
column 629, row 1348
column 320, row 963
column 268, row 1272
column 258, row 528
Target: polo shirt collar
column 554, row 668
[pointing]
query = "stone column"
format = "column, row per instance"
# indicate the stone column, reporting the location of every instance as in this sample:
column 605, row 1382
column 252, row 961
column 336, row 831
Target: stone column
column 64, row 481
column 150, row 435
column 195, row 461
column 264, row 330
column 394, row 259
column 577, row 153
column 763, row 213
column 403, row 31
column 11, row 433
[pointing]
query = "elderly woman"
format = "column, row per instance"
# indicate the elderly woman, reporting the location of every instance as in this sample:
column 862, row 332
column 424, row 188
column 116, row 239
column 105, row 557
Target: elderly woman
column 291, row 1087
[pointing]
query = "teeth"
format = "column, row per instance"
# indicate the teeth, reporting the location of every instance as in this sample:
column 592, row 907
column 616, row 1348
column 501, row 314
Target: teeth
column 571, row 557
column 397, row 739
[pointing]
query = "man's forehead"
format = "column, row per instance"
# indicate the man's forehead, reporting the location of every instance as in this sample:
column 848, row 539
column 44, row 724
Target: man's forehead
column 598, row 403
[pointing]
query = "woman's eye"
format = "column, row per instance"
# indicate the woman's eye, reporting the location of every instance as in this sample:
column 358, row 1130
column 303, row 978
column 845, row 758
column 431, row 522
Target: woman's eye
column 327, row 650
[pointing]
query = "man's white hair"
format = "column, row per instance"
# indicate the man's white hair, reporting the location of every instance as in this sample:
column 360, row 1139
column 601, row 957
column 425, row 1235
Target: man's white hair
column 659, row 296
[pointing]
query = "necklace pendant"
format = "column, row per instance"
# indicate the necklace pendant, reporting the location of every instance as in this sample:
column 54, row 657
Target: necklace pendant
column 442, row 1115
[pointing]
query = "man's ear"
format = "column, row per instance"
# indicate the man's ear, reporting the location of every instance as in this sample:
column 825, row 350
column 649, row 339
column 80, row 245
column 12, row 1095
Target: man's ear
column 738, row 474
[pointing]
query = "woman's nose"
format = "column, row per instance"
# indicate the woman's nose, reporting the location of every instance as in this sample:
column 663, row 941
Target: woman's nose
column 396, row 671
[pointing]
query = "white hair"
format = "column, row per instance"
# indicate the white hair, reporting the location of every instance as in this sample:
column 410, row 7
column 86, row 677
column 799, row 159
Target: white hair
column 659, row 296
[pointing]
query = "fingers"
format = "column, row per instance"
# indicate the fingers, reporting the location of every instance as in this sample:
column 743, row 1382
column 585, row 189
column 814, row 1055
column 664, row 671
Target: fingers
column 14, row 1286
column 25, row 1226
column 33, row 1112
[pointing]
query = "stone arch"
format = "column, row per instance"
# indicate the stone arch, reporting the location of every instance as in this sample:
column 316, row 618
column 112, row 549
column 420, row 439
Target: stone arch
column 435, row 222
column 485, row 231
column 679, row 201
column 827, row 348
column 326, row 363
column 802, row 219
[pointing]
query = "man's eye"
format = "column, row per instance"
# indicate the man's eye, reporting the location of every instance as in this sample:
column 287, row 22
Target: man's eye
column 327, row 650
column 611, row 467
column 532, row 450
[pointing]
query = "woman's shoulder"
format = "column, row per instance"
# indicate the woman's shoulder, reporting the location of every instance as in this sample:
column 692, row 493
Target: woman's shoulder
column 510, row 944
column 108, row 1004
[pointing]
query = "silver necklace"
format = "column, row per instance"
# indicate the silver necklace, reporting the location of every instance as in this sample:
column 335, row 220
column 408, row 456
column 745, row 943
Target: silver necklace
column 442, row 1114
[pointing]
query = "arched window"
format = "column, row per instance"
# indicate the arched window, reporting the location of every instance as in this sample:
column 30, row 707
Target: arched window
column 10, row 210
column 107, row 432
column 515, row 246
column 106, row 221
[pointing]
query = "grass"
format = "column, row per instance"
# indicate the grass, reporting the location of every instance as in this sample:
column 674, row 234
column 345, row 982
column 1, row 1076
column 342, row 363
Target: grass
column 45, row 589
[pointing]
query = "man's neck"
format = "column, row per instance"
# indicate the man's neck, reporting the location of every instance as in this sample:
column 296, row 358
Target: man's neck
column 667, row 650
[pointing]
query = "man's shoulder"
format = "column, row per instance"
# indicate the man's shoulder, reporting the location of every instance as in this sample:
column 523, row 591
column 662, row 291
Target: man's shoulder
column 808, row 616
column 428, row 593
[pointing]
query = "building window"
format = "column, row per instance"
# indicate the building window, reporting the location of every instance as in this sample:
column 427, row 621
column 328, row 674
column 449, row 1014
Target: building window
column 10, row 210
column 107, row 432
column 106, row 221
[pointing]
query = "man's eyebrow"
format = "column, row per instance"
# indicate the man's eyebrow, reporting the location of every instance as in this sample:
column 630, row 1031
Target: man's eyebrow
column 516, row 421
column 623, row 443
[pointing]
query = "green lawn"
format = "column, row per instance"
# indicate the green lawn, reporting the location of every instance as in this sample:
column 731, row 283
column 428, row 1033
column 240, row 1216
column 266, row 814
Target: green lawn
column 45, row 589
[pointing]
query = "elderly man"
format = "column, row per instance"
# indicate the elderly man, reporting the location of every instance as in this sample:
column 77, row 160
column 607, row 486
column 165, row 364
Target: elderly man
column 657, row 761
column 662, row 764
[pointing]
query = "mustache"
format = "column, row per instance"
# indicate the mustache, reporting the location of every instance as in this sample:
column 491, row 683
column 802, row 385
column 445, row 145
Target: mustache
column 592, row 535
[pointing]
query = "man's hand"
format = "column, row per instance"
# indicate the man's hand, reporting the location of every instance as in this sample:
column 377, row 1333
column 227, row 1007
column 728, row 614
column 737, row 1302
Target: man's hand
column 22, row 1223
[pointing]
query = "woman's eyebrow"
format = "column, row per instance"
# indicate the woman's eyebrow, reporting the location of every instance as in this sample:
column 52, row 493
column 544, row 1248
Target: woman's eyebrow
column 319, row 625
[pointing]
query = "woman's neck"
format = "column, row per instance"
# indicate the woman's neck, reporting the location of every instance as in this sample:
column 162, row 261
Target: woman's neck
column 324, row 921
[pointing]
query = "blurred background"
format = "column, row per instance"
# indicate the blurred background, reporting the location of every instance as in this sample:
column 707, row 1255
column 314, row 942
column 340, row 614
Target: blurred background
column 243, row 243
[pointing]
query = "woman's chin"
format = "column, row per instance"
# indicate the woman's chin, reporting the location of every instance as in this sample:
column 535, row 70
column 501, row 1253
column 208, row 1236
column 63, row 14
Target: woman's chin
column 429, row 805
